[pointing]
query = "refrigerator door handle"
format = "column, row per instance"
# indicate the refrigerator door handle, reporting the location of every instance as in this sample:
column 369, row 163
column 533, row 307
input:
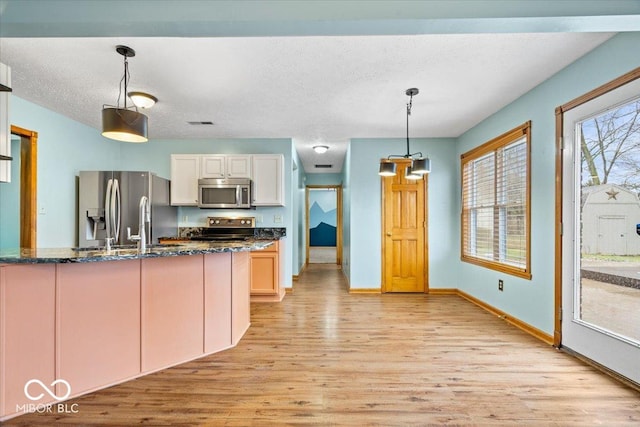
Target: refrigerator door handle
column 107, row 214
column 115, row 210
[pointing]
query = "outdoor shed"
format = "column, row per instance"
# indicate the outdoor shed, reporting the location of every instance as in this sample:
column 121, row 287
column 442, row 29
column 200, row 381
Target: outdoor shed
column 609, row 217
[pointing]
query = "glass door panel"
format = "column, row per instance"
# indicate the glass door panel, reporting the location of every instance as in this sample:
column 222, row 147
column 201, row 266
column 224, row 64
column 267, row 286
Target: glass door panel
column 601, row 241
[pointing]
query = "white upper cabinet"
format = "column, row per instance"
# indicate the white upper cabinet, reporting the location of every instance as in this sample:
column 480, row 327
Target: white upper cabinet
column 185, row 171
column 225, row 166
column 266, row 172
column 268, row 180
column 239, row 166
column 212, row 166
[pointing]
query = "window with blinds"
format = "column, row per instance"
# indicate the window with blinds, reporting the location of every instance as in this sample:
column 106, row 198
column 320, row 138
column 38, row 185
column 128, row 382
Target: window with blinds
column 495, row 203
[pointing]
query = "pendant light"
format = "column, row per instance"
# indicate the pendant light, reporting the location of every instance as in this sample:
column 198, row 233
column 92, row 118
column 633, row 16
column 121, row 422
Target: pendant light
column 142, row 99
column 125, row 123
column 419, row 165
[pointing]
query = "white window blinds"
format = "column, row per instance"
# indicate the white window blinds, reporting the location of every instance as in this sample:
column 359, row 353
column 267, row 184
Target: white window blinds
column 495, row 203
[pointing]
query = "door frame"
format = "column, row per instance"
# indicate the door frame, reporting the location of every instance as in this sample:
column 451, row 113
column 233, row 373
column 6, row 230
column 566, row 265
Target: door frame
column 605, row 88
column 400, row 166
column 28, row 185
column 338, row 189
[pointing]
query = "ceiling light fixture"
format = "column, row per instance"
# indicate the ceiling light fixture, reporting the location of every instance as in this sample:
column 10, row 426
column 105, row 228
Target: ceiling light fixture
column 320, row 149
column 142, row 99
column 124, row 123
column 419, row 165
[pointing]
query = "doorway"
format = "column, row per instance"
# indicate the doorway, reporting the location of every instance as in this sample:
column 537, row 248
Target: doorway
column 598, row 226
column 28, row 164
column 404, row 232
column 324, row 224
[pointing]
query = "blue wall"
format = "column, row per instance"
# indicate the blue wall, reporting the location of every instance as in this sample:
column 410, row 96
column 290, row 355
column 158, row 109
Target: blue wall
column 64, row 148
column 324, row 179
column 156, row 157
column 533, row 300
column 299, row 235
column 346, row 215
column 365, row 221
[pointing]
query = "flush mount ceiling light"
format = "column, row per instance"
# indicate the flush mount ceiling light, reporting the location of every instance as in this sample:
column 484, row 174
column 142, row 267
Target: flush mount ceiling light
column 142, row 100
column 420, row 165
column 124, row 123
column 320, row 149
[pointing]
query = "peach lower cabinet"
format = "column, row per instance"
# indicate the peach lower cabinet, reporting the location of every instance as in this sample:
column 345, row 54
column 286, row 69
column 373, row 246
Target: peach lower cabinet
column 96, row 324
column 267, row 273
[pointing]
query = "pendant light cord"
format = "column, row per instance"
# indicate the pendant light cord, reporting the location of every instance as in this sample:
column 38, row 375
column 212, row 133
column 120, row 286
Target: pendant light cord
column 125, row 78
column 408, row 114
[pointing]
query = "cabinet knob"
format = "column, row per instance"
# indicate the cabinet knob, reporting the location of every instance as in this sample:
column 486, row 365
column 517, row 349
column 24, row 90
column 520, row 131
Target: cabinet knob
column 388, row 234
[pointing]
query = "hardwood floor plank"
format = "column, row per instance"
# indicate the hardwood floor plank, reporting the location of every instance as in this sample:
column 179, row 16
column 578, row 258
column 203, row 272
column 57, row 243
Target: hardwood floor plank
column 326, row 357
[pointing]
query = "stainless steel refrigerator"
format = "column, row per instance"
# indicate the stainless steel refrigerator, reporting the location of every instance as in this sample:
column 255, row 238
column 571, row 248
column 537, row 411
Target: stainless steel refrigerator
column 108, row 203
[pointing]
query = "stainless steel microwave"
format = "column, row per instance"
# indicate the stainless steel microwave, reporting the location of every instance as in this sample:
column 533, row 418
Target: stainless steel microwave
column 214, row 193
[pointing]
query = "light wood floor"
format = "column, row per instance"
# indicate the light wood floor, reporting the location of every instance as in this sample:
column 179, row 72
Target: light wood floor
column 325, row 357
column 322, row 255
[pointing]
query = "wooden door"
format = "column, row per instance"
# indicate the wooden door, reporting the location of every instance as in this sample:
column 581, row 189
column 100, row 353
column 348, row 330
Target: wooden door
column 404, row 266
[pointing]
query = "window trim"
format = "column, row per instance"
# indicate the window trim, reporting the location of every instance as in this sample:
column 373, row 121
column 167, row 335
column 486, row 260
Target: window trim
column 491, row 147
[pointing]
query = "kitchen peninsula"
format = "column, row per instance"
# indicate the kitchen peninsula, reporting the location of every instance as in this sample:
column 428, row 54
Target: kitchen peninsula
column 95, row 318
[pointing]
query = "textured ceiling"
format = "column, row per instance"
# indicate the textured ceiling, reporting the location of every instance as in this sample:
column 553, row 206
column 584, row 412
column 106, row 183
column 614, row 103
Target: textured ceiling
column 316, row 90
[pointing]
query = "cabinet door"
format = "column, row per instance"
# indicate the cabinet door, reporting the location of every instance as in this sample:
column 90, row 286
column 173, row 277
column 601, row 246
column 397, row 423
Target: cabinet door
column 240, row 295
column 172, row 326
column 185, row 170
column 268, row 180
column 217, row 302
column 27, row 333
column 264, row 273
column 212, row 167
column 238, row 166
column 98, row 323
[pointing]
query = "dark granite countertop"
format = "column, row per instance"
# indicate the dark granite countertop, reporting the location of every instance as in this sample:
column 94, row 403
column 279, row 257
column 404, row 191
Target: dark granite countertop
column 68, row 255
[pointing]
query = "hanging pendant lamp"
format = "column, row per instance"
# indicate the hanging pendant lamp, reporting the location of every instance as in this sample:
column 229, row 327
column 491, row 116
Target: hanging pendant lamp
column 124, row 123
column 419, row 165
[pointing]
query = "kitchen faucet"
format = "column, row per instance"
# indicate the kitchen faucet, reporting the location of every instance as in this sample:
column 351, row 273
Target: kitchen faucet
column 144, row 215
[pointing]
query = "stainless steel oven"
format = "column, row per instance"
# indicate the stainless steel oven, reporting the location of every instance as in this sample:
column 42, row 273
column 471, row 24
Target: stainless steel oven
column 224, row 193
column 224, row 228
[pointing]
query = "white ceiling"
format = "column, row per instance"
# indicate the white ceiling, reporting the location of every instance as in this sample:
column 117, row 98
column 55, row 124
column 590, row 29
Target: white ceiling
column 316, row 89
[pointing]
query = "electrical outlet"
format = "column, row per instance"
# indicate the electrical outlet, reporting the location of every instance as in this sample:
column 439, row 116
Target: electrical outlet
column 277, row 219
column 500, row 285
